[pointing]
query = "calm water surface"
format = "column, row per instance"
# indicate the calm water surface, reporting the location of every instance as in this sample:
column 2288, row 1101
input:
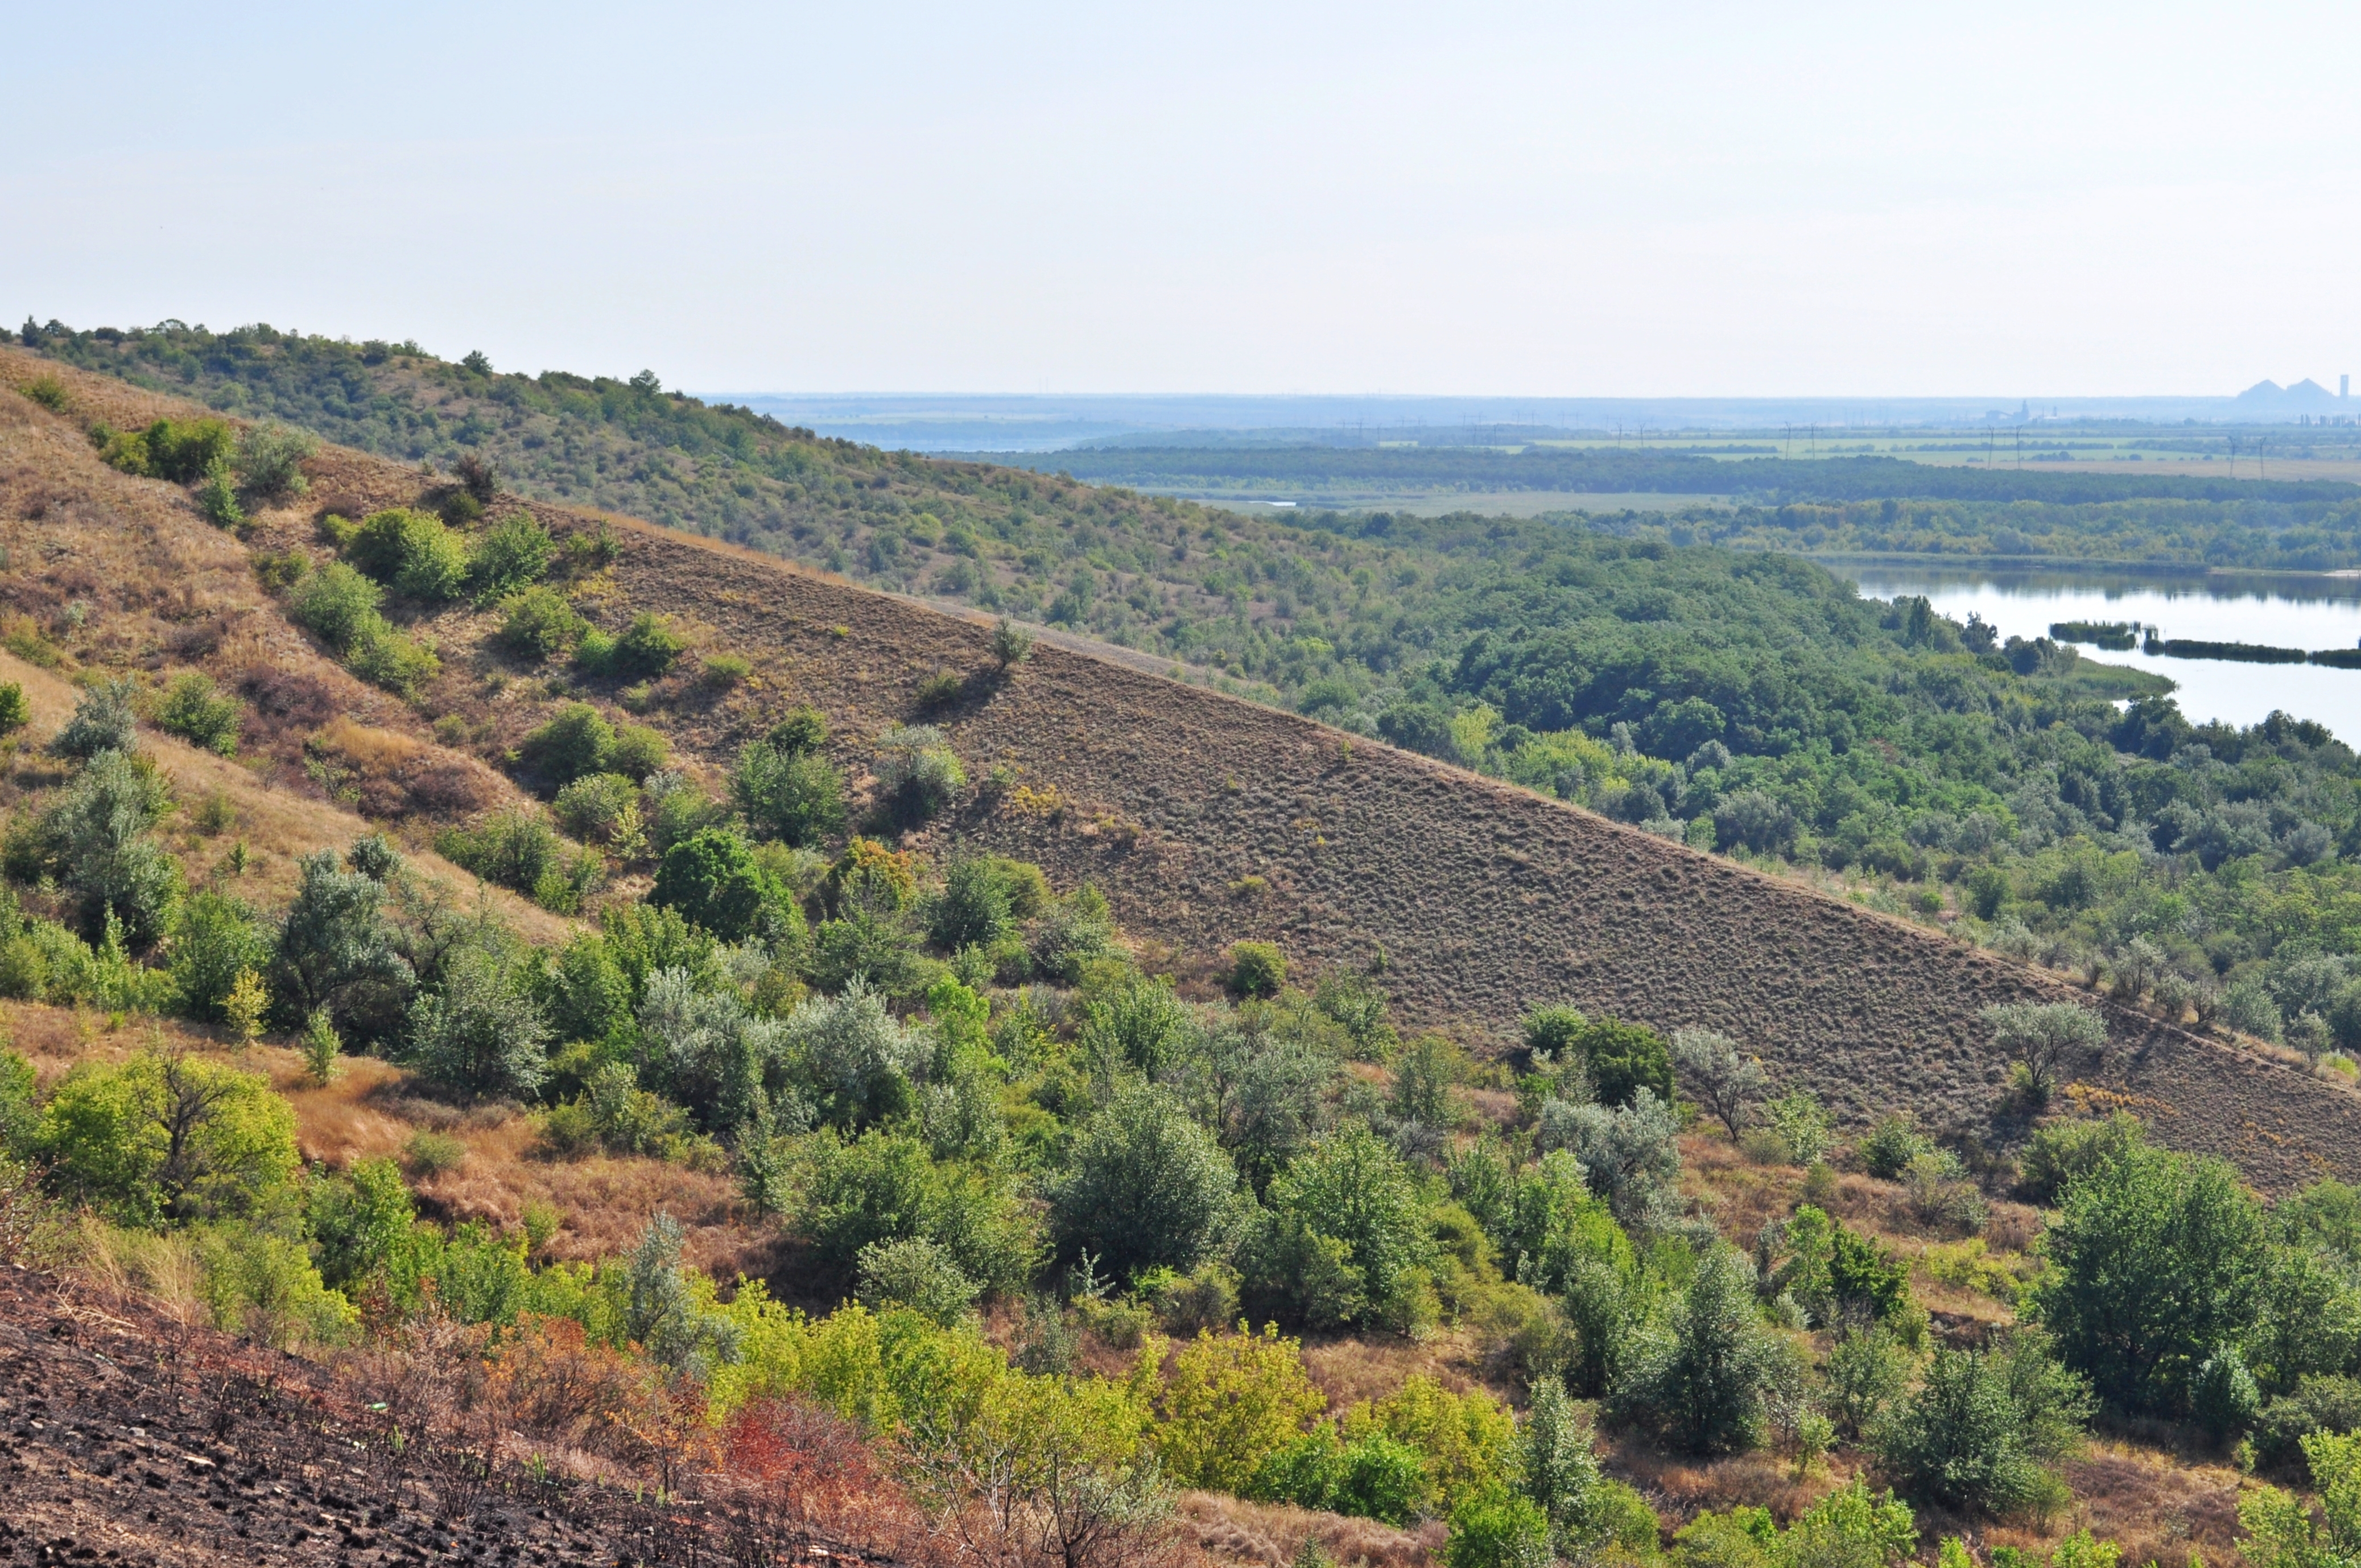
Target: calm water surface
column 2291, row 611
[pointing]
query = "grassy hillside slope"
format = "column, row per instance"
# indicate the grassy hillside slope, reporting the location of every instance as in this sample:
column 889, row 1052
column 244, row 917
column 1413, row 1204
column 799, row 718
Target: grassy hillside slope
column 1206, row 817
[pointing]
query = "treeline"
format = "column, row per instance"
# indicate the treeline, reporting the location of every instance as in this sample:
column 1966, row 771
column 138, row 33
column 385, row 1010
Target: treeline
column 2251, row 532
column 1611, row 469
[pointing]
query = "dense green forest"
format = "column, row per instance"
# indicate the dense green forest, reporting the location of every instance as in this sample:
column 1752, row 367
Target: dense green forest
column 1745, row 701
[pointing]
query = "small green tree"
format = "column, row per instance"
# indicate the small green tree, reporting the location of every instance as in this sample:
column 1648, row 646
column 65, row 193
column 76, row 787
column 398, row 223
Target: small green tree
column 918, row 1274
column 574, row 742
column 337, row 604
column 107, row 852
column 917, row 771
column 1703, row 1383
column 321, row 1047
column 16, row 712
column 480, row 1035
column 217, row 496
column 196, row 712
column 1011, row 644
column 1347, row 1238
column 1725, row 1080
column 514, row 555
column 1256, row 969
column 215, row 939
column 2156, row 1260
column 270, row 459
column 412, row 553
column 106, row 718
column 794, row 795
column 335, row 951
column 2043, row 1038
column 1146, row 1186
column 714, row 881
column 167, row 1137
column 541, row 625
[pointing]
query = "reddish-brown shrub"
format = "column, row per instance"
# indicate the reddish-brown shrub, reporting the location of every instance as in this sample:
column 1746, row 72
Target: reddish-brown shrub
column 287, row 699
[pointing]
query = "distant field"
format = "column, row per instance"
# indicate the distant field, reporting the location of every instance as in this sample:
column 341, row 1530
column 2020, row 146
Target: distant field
column 1427, row 503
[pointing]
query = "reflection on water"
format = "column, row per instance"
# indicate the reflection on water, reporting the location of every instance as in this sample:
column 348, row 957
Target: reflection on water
column 2287, row 610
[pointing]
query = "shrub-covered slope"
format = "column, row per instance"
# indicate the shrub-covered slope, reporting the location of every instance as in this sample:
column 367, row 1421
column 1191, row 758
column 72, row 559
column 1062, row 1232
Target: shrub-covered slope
column 1205, row 817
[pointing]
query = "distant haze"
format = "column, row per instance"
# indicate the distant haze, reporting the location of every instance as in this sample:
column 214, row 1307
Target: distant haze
column 1048, row 422
column 1501, row 201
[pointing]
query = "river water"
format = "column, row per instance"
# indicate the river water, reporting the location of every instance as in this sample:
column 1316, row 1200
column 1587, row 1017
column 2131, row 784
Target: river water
column 2285, row 611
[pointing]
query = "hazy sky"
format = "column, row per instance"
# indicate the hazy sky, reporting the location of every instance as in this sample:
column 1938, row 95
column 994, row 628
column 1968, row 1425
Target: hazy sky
column 1492, row 199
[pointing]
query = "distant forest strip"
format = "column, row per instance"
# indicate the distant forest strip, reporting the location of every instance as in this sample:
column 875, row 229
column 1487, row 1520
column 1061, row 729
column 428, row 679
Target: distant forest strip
column 1609, row 470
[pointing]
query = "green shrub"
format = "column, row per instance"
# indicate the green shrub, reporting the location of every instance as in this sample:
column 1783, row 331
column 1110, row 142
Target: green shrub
column 514, row 555
column 576, row 741
column 1011, row 644
column 16, row 712
column 882, row 1187
column 977, row 906
column 481, row 1035
column 270, row 459
column 1621, row 1058
column 217, row 497
column 714, row 881
column 1887, row 1148
column 394, row 659
column 166, row 1139
column 639, row 751
column 602, row 809
column 792, row 795
column 1144, row 1187
column 196, row 712
column 360, row 1220
column 2060, row 1152
column 517, row 851
column 460, row 509
column 48, row 391
column 181, row 450
column 336, row 603
column 722, row 672
column 106, row 719
column 916, row 1273
column 644, row 650
column 1497, row 1530
column 801, row 729
column 1256, row 969
column 412, row 552
column 125, row 451
column 540, row 624
column 1072, row 932
column 215, row 939
column 430, row 1153
column 917, row 772
column 263, row 1285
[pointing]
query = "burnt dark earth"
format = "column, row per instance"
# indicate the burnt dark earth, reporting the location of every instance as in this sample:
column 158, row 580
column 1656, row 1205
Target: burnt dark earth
column 128, row 1439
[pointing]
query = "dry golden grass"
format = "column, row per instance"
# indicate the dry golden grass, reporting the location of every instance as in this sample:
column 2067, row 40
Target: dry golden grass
column 279, row 825
column 370, row 1110
column 1236, row 1530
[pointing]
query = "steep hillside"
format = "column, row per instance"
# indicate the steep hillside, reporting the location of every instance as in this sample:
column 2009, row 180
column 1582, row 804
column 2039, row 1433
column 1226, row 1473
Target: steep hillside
column 1205, row 817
